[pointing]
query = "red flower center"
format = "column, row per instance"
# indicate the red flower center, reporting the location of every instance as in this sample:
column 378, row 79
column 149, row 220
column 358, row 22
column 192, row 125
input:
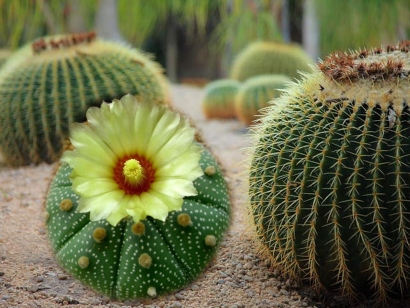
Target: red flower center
column 137, row 188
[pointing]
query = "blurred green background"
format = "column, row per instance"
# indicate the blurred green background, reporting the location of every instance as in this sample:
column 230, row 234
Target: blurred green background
column 196, row 40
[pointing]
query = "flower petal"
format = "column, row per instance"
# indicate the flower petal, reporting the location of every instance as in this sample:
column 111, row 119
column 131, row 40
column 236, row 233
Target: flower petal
column 101, row 206
column 87, row 187
column 186, row 165
column 86, row 166
column 115, row 217
column 154, row 206
column 175, row 188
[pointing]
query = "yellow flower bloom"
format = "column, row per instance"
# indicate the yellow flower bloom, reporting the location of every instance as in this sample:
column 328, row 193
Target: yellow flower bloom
column 133, row 159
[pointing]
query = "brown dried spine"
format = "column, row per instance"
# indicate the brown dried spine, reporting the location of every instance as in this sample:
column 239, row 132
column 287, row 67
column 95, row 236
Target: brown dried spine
column 68, row 41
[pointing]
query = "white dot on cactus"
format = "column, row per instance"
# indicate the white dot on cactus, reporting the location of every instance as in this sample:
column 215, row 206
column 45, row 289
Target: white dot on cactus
column 83, row 262
column 66, row 205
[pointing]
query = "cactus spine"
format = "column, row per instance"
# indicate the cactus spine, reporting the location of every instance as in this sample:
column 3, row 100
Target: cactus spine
column 49, row 84
column 219, row 100
column 262, row 58
column 144, row 259
column 255, row 93
column 328, row 183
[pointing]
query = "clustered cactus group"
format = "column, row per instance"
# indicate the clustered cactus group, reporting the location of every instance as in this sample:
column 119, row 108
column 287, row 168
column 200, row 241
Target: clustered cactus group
column 258, row 74
column 328, row 183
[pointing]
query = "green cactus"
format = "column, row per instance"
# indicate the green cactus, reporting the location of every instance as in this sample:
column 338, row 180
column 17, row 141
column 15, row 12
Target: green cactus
column 4, row 54
column 219, row 100
column 50, row 83
column 255, row 93
column 262, row 58
column 148, row 258
column 329, row 178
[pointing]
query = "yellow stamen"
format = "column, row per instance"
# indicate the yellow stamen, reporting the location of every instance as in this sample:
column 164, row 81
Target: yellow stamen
column 133, row 171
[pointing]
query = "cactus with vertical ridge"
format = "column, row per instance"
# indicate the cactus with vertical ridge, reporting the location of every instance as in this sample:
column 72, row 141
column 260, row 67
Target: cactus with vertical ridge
column 50, row 83
column 255, row 93
column 329, row 178
column 144, row 259
column 262, row 58
column 219, row 99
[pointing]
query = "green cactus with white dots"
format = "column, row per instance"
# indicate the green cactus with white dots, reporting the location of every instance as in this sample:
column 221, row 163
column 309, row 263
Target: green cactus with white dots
column 144, row 259
column 219, row 99
column 50, row 83
column 329, row 178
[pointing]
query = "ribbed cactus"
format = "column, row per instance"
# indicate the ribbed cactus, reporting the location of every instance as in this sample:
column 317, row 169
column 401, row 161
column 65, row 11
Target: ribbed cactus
column 138, row 208
column 219, row 99
column 255, row 93
column 50, row 83
column 261, row 58
column 330, row 172
column 148, row 258
column 4, row 54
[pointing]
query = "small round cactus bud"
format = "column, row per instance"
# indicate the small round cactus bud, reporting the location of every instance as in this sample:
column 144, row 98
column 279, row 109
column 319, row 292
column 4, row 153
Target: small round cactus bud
column 145, row 260
column 210, row 240
column 83, row 262
column 66, row 205
column 138, row 228
column 99, row 234
column 184, row 220
column 152, row 292
column 210, row 170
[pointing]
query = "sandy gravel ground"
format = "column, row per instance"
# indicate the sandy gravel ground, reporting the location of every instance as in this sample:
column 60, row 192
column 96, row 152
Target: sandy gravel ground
column 236, row 278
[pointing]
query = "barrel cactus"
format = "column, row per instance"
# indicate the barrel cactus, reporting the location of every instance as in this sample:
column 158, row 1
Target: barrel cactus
column 4, row 54
column 50, row 83
column 329, row 177
column 219, row 99
column 261, row 58
column 255, row 94
column 138, row 208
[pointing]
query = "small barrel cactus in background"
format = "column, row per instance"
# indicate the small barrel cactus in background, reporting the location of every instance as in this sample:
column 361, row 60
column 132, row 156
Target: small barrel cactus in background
column 4, row 54
column 139, row 208
column 329, row 178
column 255, row 94
column 49, row 84
column 262, row 58
column 219, row 100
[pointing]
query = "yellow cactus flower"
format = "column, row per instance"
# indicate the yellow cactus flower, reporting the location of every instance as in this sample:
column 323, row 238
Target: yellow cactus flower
column 132, row 159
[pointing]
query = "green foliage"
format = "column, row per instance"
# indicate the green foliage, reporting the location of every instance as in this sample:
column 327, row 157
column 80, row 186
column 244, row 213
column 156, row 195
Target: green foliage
column 4, row 55
column 328, row 184
column 262, row 58
column 363, row 23
column 219, row 99
column 43, row 92
column 255, row 94
column 144, row 259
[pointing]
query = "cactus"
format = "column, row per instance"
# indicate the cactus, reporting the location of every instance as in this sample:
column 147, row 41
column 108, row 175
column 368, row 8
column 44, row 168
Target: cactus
column 263, row 58
column 50, row 83
column 255, row 93
column 137, row 256
column 219, row 100
column 4, row 54
column 328, row 185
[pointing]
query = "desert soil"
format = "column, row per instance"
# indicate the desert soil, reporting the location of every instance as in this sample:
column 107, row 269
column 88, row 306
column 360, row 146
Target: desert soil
column 237, row 277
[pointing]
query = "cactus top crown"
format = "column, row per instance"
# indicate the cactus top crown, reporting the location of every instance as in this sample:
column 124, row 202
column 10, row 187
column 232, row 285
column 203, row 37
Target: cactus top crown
column 55, row 43
column 379, row 76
